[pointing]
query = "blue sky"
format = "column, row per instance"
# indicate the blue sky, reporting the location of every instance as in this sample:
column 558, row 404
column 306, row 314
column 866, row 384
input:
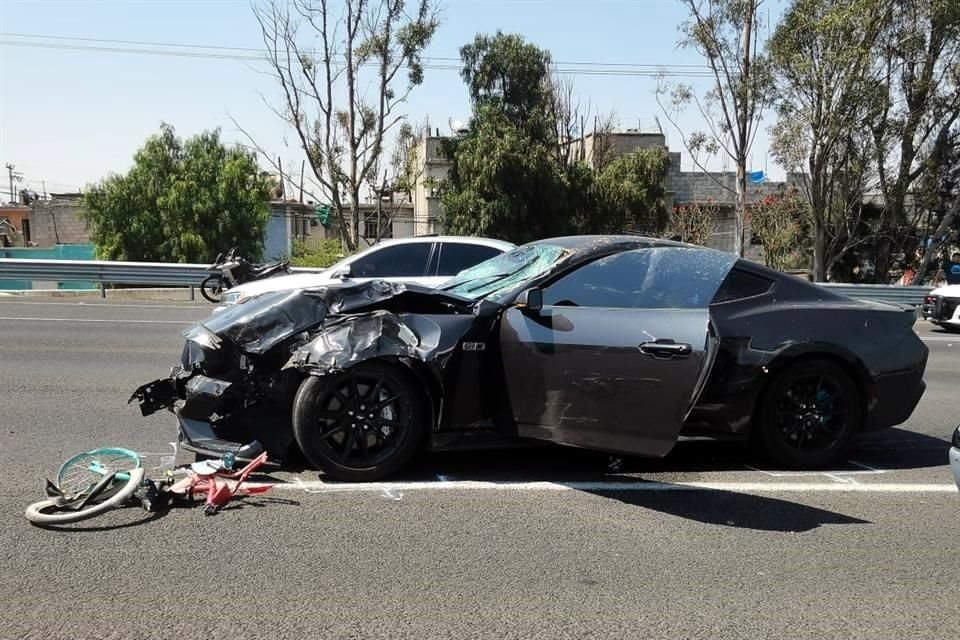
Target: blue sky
column 71, row 117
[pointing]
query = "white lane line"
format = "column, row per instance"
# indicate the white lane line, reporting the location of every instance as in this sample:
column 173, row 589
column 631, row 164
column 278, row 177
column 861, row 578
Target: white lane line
column 318, row 486
column 939, row 339
column 185, row 307
column 180, row 322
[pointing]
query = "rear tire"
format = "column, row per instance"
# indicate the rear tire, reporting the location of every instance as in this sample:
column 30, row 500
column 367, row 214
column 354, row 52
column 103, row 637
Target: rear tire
column 808, row 415
column 362, row 424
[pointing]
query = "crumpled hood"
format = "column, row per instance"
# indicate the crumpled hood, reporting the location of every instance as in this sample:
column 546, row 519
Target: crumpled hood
column 284, row 283
column 261, row 323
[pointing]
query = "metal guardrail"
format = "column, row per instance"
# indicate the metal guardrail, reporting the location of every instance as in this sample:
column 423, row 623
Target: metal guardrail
column 101, row 271
column 881, row 292
column 190, row 275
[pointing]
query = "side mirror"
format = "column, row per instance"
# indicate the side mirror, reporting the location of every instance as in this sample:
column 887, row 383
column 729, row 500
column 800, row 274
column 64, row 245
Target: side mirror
column 342, row 273
column 530, row 300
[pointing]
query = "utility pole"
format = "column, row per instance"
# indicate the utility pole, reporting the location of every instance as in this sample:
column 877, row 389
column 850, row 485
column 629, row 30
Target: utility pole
column 13, row 176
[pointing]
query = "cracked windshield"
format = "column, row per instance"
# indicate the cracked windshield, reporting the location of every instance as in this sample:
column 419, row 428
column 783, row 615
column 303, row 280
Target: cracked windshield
column 499, row 275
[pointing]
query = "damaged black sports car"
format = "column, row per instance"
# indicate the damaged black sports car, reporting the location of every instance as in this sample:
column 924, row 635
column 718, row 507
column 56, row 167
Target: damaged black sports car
column 615, row 343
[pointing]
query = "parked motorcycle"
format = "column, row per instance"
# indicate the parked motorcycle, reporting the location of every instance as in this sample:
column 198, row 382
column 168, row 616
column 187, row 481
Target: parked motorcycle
column 231, row 270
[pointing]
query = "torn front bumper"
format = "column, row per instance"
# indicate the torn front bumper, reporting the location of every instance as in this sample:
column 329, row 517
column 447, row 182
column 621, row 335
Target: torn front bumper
column 201, row 395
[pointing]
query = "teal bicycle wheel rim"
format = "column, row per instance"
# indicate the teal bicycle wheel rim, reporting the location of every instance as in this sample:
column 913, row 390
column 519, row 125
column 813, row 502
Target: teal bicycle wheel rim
column 75, row 475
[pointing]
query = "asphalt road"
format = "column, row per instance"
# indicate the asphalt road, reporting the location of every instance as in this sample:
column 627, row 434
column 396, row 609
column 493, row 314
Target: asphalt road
column 533, row 544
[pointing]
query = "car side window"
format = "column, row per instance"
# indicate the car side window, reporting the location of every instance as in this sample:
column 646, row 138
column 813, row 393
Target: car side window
column 652, row 278
column 457, row 256
column 397, row 261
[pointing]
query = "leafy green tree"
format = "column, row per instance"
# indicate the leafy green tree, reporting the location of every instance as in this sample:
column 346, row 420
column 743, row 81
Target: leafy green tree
column 777, row 222
column 630, row 192
column 505, row 181
column 821, row 51
column 916, row 103
column 183, row 201
column 508, row 179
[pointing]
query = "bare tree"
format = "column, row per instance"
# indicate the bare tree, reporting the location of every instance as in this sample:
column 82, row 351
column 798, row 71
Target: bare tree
column 339, row 72
column 396, row 185
column 574, row 121
column 726, row 34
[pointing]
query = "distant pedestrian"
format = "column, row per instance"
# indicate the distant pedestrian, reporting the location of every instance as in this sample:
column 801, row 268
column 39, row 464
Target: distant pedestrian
column 951, row 268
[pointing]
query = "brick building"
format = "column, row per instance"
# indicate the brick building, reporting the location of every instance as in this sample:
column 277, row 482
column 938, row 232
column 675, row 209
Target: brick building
column 57, row 221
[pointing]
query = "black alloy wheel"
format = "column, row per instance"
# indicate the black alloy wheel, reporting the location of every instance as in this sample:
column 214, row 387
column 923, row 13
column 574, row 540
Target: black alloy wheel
column 362, row 424
column 808, row 415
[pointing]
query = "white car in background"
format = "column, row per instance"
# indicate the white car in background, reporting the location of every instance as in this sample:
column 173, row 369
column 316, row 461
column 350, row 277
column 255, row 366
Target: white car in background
column 425, row 260
column 942, row 307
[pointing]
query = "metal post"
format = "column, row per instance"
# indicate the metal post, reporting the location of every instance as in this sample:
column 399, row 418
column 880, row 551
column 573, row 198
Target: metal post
column 192, row 294
column 103, row 289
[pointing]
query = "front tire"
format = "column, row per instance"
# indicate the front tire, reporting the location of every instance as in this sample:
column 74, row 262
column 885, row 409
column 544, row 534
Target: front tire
column 808, row 415
column 212, row 288
column 362, row 424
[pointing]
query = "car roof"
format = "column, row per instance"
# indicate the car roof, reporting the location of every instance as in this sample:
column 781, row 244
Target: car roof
column 487, row 242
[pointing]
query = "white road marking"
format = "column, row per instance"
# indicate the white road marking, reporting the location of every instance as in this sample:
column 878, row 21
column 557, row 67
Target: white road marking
column 939, row 339
column 185, row 307
column 837, row 476
column 180, row 322
column 318, row 486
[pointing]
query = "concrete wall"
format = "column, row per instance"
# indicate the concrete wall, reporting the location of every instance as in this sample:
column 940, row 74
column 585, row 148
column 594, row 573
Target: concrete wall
column 434, row 166
column 276, row 238
column 57, row 221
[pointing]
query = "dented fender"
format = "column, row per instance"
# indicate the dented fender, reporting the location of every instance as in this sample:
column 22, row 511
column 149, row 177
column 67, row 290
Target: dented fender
column 345, row 342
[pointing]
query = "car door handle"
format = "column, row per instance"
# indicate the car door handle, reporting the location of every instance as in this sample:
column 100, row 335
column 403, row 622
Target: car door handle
column 666, row 350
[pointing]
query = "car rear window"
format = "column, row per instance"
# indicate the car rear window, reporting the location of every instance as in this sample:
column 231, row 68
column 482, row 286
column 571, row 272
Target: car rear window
column 740, row 285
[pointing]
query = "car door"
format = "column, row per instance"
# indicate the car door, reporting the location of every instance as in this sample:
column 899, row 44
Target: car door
column 401, row 262
column 450, row 258
column 619, row 352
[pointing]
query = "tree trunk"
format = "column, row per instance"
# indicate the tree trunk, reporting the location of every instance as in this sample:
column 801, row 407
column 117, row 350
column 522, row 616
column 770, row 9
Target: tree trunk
column 741, row 213
column 939, row 238
column 743, row 118
column 819, row 250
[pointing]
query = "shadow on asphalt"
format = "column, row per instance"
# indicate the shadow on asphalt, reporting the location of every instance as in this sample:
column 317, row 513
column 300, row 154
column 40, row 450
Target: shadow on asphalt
column 890, row 449
column 896, row 449
column 730, row 509
column 941, row 330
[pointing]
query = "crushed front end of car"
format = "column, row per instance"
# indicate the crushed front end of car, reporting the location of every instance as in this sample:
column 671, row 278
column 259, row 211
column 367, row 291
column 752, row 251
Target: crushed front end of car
column 240, row 368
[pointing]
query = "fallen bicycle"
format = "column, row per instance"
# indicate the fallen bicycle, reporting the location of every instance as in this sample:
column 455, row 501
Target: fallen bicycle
column 97, row 481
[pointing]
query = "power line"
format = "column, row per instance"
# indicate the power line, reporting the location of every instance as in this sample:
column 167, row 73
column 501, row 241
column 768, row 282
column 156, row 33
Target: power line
column 442, row 64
